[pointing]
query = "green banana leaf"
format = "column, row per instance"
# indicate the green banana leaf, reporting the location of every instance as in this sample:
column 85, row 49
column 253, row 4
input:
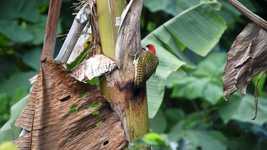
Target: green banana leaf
column 196, row 29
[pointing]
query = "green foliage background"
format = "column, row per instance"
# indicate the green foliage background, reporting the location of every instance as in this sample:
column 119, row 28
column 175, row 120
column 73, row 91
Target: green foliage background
column 186, row 103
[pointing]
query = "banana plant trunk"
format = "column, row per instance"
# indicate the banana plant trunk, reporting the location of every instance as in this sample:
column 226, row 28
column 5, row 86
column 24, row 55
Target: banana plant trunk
column 121, row 45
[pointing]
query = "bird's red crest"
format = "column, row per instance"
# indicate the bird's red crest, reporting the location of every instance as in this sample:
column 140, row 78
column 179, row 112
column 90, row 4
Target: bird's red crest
column 151, row 48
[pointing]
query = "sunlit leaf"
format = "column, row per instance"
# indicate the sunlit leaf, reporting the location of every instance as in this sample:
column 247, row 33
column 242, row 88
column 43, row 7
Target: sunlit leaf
column 8, row 146
column 153, row 139
column 197, row 29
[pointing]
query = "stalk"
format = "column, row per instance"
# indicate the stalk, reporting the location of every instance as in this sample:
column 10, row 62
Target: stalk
column 131, row 108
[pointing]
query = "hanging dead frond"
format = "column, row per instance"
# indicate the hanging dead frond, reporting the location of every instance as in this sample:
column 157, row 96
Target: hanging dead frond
column 80, row 21
column 65, row 114
column 83, row 44
column 246, row 58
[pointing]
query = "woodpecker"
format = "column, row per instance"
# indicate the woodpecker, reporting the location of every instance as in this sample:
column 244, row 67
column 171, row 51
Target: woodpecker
column 145, row 65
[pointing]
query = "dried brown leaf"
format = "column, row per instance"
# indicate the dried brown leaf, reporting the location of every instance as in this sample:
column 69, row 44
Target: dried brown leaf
column 95, row 66
column 51, row 124
column 246, row 58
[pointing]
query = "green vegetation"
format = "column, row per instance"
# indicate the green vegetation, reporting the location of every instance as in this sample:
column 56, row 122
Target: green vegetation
column 95, row 105
column 73, row 108
column 185, row 95
column 8, row 146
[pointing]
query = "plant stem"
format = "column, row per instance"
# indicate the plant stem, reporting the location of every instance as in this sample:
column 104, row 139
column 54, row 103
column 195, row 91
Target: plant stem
column 107, row 28
column 50, row 30
column 249, row 14
column 131, row 107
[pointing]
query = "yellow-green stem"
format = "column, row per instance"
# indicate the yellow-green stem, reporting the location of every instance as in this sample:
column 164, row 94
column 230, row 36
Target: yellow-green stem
column 107, row 11
column 134, row 107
